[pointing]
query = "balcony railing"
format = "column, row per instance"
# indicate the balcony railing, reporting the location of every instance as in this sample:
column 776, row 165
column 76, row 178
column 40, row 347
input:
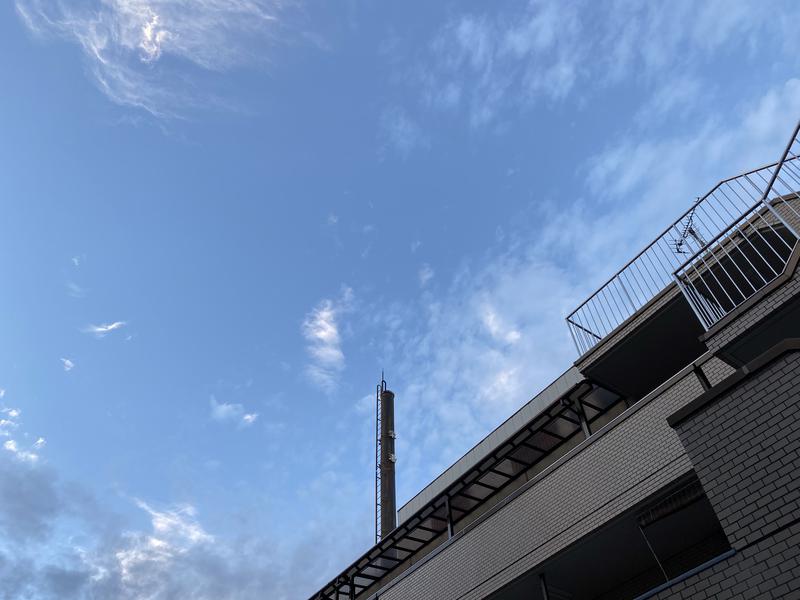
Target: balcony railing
column 730, row 244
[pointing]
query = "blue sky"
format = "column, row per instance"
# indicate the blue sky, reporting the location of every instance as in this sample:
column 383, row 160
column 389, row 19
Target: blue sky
column 222, row 218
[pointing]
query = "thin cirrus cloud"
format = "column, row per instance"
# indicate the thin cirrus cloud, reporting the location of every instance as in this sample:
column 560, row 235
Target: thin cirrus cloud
column 125, row 42
column 104, row 328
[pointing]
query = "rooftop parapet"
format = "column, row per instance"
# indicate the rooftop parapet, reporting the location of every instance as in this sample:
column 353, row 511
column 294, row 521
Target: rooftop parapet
column 730, row 244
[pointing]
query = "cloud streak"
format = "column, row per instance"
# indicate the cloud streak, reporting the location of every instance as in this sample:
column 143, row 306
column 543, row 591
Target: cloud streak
column 104, row 329
column 125, row 42
column 320, row 329
column 487, row 66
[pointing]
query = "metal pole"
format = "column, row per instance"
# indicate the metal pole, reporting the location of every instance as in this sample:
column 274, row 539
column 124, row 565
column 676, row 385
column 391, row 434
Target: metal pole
column 582, row 418
column 653, row 552
column 449, row 517
column 543, row 585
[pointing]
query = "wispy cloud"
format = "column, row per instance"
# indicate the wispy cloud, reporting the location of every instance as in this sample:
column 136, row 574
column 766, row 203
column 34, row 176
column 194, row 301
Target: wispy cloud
column 67, row 364
column 226, row 412
column 75, row 291
column 104, row 329
column 401, row 132
column 124, row 42
column 321, row 331
column 489, row 66
column 425, row 274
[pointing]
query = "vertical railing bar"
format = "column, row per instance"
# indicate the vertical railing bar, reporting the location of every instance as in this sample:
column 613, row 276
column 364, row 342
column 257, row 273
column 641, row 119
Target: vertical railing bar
column 749, row 221
column 608, row 319
column 721, row 244
column 757, row 214
column 634, row 307
column 597, row 320
column 658, row 287
column 624, row 298
column 708, row 287
column 703, row 260
column 606, row 294
column 574, row 339
column 645, row 295
column 663, row 270
column 641, row 279
column 689, row 295
column 741, row 233
column 596, row 325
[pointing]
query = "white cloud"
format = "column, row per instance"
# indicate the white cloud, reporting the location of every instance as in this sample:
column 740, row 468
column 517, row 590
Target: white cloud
column 105, row 328
column 23, row 455
column 67, row 364
column 123, row 42
column 425, row 274
column 2, row 393
column 226, row 412
column 321, row 330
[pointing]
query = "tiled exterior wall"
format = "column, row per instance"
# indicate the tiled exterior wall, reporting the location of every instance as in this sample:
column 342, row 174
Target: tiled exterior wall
column 766, row 570
column 637, row 456
column 716, row 370
column 745, row 447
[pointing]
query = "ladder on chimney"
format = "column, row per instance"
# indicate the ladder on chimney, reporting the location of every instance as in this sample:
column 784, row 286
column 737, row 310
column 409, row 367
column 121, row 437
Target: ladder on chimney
column 381, row 387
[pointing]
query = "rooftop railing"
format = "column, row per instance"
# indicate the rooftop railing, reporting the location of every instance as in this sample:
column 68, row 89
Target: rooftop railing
column 731, row 243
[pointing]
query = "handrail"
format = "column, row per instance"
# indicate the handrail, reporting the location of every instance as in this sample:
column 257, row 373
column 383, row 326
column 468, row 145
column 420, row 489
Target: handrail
column 654, row 268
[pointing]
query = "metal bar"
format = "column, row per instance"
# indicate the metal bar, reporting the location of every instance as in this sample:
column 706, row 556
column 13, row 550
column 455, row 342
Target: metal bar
column 653, row 552
column 736, row 225
column 781, row 161
column 543, row 587
column 582, row 416
column 449, row 512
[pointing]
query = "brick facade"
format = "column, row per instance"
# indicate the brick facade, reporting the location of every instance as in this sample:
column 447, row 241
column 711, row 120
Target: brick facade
column 745, row 447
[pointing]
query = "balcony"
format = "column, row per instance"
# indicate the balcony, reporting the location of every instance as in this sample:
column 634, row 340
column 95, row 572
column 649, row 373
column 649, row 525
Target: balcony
column 732, row 243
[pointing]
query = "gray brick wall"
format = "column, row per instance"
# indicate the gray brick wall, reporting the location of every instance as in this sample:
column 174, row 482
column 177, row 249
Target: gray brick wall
column 637, row 456
column 768, row 569
column 745, row 447
column 716, row 369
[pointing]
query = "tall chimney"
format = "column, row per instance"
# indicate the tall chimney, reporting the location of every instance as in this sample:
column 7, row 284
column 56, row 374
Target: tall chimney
column 385, row 503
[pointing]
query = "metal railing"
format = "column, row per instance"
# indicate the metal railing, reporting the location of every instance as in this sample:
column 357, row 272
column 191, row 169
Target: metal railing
column 731, row 216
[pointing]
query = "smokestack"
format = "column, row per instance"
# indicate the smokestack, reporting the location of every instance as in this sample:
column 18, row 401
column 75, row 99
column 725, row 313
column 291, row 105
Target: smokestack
column 388, row 501
column 385, row 503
